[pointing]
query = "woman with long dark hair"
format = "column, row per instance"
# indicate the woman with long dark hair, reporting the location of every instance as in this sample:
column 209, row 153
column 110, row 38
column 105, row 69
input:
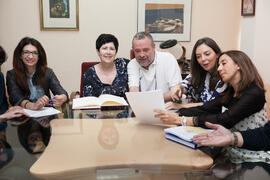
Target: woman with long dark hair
column 30, row 81
column 203, row 84
column 242, row 106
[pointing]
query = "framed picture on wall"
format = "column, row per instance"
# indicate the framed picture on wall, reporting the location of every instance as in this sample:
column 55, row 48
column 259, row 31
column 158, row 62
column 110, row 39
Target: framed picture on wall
column 165, row 19
column 248, row 7
column 59, row 15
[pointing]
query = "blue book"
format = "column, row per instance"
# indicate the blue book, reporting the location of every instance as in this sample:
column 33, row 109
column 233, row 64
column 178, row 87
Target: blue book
column 184, row 135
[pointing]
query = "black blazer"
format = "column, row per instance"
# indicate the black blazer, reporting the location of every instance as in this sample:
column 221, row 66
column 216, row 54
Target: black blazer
column 17, row 95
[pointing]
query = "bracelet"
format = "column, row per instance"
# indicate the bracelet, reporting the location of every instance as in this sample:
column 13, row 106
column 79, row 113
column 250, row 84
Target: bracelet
column 25, row 104
column 195, row 121
column 184, row 121
column 235, row 139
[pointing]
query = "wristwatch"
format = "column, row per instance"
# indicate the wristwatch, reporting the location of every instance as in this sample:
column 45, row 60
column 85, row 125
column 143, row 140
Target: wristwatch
column 184, row 121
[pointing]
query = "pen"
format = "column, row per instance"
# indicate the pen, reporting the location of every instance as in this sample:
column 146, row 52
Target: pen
column 50, row 104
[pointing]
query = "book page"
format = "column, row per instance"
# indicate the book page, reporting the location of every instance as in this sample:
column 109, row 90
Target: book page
column 144, row 103
column 86, row 102
column 112, row 100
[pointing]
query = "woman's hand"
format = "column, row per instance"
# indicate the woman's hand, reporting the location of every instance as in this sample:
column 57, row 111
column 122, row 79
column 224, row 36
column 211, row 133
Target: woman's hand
column 14, row 108
column 13, row 112
column 40, row 103
column 168, row 117
column 58, row 100
column 220, row 137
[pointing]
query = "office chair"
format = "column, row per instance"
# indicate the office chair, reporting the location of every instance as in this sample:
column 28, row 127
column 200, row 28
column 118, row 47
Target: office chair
column 84, row 67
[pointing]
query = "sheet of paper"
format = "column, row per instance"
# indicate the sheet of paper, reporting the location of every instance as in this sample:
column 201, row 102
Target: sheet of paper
column 144, row 103
column 45, row 111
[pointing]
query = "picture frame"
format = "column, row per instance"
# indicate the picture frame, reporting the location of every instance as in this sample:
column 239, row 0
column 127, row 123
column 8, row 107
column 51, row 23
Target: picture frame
column 165, row 19
column 59, row 15
column 248, row 7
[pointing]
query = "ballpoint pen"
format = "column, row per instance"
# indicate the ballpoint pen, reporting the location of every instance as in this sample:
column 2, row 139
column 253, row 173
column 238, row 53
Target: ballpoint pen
column 50, row 104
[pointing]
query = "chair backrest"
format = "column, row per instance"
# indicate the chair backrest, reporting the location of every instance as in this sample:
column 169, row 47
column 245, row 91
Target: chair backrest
column 267, row 97
column 85, row 66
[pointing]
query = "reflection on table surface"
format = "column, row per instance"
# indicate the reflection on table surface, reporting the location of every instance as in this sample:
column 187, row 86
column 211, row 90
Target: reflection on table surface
column 23, row 142
column 81, row 146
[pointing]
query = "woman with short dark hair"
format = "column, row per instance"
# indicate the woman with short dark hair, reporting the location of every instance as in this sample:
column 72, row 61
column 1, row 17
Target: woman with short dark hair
column 110, row 75
column 30, row 81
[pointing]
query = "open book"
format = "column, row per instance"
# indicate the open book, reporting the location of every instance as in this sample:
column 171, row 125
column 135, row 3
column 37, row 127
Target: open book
column 184, row 134
column 91, row 102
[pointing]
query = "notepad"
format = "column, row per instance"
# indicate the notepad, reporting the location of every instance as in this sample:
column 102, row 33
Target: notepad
column 104, row 100
column 185, row 134
column 45, row 111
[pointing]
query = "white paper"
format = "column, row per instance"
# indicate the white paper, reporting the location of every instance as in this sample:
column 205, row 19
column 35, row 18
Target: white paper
column 45, row 111
column 144, row 103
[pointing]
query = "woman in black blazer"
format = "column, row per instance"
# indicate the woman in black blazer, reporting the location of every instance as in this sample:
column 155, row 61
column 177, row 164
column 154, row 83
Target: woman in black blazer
column 30, row 80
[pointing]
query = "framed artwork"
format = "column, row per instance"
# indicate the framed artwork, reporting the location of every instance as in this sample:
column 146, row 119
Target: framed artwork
column 59, row 15
column 248, row 7
column 165, row 19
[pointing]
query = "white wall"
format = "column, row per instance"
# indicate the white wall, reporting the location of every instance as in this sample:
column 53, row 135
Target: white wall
column 255, row 37
column 219, row 19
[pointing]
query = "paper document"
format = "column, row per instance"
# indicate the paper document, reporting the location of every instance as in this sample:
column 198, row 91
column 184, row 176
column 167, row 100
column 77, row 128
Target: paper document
column 45, row 111
column 144, row 103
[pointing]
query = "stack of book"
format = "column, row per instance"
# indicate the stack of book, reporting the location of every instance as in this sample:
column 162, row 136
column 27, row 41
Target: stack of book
column 185, row 134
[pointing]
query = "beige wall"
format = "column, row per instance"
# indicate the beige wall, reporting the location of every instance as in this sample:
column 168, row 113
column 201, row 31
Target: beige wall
column 219, row 19
column 255, row 38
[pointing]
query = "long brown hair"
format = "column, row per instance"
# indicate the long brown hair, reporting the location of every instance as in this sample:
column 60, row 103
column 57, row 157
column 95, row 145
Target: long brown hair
column 3, row 55
column 198, row 73
column 248, row 74
column 20, row 68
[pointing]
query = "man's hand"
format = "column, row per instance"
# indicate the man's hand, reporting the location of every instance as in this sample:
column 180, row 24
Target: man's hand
column 176, row 92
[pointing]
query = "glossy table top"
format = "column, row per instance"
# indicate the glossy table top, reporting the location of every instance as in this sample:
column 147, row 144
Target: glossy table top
column 27, row 140
column 79, row 146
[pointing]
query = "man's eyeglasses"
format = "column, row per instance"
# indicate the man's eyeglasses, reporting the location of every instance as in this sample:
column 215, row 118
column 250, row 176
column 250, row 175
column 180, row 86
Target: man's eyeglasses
column 27, row 53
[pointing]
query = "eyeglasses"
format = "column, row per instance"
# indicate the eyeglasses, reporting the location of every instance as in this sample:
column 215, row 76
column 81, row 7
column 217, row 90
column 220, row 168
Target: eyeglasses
column 27, row 53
